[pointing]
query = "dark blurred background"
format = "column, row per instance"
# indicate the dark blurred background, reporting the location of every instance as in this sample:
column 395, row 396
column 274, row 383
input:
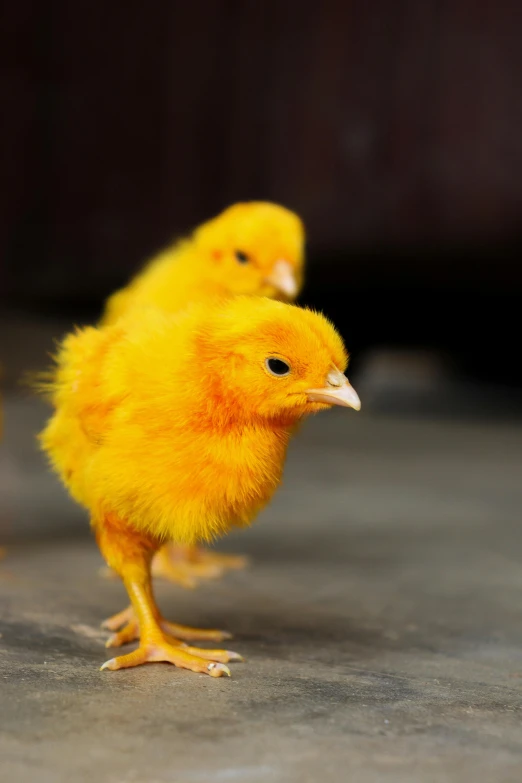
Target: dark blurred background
column 393, row 129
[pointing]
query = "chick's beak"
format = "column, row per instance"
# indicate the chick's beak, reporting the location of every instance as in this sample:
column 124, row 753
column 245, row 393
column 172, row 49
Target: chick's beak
column 336, row 392
column 282, row 277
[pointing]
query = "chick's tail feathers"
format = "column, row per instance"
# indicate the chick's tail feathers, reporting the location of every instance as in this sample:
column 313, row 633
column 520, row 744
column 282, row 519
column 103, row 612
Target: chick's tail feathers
column 75, row 429
column 72, row 356
column 39, row 382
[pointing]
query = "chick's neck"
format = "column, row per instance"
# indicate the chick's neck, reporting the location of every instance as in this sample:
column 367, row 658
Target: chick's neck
column 225, row 414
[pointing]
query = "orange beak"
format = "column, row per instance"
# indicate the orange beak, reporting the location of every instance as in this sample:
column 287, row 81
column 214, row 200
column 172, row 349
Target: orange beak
column 282, row 277
column 337, row 391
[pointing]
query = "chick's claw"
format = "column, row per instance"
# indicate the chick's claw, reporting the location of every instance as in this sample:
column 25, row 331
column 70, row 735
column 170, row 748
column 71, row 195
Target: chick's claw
column 218, row 670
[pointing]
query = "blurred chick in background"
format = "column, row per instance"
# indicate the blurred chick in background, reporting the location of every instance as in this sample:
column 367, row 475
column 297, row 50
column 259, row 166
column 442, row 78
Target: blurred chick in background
column 176, row 427
column 251, row 248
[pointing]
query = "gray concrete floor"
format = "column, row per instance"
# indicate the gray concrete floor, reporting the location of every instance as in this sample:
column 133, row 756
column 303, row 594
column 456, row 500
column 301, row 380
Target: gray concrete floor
column 381, row 620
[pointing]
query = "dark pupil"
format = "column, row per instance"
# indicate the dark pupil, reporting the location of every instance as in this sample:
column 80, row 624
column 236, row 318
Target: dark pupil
column 241, row 257
column 278, row 367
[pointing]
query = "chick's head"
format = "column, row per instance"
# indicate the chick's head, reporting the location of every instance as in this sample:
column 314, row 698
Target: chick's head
column 268, row 359
column 255, row 248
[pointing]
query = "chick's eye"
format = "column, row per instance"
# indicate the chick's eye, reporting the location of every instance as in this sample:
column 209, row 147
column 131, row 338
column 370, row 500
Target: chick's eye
column 277, row 366
column 241, row 257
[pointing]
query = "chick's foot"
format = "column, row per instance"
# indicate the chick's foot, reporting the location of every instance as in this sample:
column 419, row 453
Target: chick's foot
column 187, row 565
column 162, row 648
column 205, row 557
column 128, row 626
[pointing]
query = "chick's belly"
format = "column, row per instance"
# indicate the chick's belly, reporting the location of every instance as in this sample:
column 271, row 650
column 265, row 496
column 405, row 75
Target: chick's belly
column 190, row 491
column 192, row 509
column 221, row 508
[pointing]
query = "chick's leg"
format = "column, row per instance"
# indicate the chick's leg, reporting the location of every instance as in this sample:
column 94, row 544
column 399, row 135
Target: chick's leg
column 167, row 568
column 129, row 554
column 186, row 565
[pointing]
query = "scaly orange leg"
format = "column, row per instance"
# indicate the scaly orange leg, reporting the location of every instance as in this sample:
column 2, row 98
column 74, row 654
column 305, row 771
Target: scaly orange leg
column 129, row 553
column 187, row 565
column 162, row 566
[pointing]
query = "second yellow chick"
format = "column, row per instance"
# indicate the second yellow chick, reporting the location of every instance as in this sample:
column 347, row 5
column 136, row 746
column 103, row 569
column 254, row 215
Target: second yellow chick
column 251, row 248
column 254, row 248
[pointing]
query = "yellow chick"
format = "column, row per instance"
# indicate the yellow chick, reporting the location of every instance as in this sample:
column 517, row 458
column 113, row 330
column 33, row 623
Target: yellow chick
column 251, row 248
column 175, row 427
